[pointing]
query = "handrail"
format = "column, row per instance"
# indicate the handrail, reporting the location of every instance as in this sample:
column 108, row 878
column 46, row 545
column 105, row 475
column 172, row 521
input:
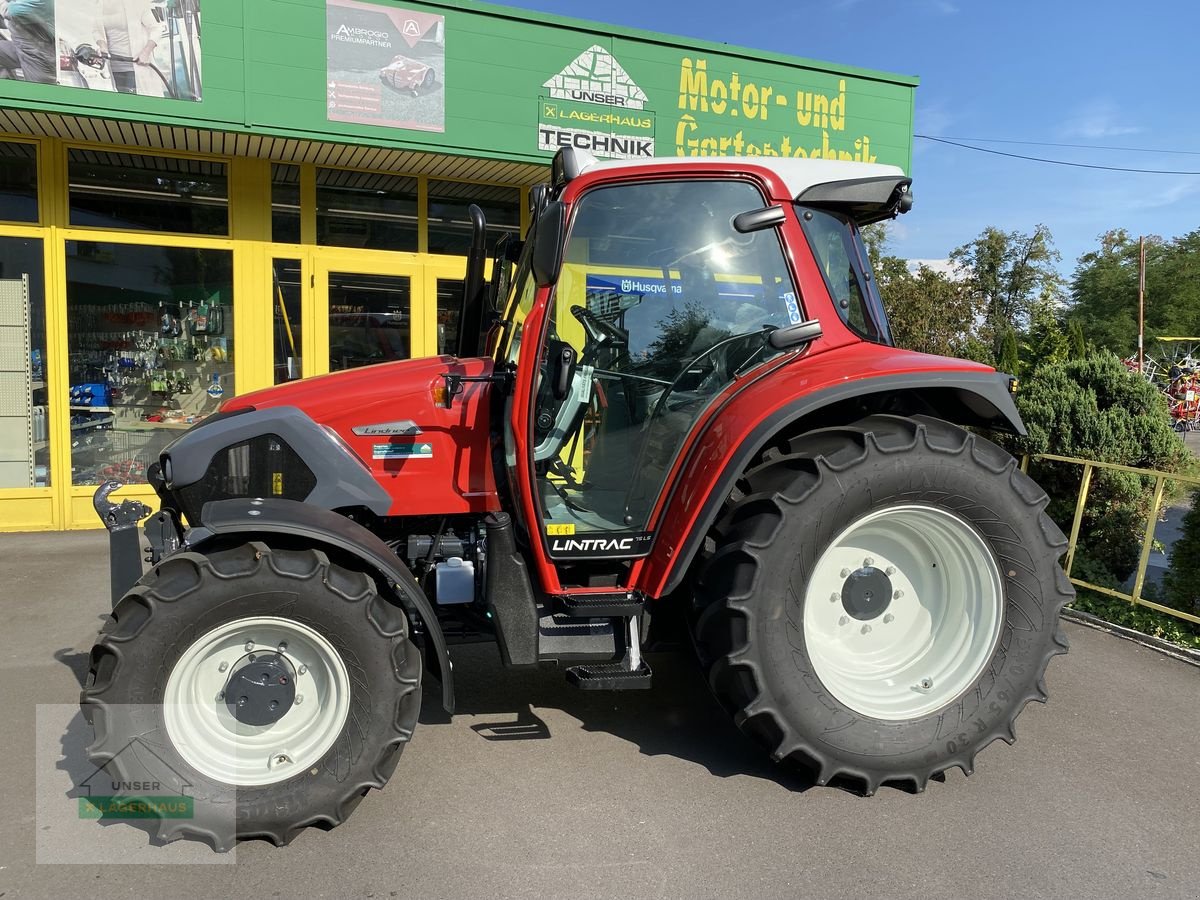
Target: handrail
column 1085, row 484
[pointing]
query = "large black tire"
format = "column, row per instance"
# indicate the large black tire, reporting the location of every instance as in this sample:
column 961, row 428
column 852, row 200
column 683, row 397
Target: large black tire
column 187, row 596
column 748, row 616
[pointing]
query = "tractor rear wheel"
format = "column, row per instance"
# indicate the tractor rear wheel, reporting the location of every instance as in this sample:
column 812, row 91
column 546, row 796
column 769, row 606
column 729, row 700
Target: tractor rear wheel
column 882, row 600
column 272, row 686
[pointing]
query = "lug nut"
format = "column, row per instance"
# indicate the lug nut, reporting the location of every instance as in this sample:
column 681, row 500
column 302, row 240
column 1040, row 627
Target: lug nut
column 889, row 619
column 835, row 597
column 843, row 620
column 897, row 595
column 299, row 699
column 220, row 695
column 868, row 562
column 845, row 573
column 249, row 646
column 282, row 648
column 282, row 759
column 222, row 667
column 302, row 670
column 866, row 629
column 890, row 570
column 924, row 685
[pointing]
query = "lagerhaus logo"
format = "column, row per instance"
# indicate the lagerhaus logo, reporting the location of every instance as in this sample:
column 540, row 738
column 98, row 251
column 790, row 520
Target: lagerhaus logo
column 109, row 796
column 624, row 129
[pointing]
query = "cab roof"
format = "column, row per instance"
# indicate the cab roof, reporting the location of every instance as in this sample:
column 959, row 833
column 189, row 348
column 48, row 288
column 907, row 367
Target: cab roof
column 797, row 174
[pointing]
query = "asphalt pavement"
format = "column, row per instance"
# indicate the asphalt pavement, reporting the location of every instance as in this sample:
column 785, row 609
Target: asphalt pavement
column 538, row 790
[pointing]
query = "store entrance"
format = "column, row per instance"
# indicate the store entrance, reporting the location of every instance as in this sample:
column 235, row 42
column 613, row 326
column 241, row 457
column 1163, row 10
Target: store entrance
column 333, row 311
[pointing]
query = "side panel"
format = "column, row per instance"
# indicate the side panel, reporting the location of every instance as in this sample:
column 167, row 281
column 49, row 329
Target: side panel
column 429, row 459
column 736, row 432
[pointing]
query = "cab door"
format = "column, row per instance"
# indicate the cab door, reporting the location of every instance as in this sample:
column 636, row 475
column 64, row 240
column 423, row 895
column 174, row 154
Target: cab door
column 661, row 307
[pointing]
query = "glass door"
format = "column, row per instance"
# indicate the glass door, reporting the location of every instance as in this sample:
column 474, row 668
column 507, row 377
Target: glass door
column 365, row 312
column 445, row 282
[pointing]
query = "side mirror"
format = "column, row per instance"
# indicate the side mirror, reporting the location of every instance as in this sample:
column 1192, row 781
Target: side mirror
column 548, row 237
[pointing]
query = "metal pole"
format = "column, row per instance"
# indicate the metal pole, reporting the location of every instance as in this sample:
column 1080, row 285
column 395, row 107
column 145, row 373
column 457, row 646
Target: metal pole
column 1141, row 304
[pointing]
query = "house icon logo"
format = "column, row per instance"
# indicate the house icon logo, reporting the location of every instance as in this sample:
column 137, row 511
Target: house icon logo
column 109, row 795
column 595, row 76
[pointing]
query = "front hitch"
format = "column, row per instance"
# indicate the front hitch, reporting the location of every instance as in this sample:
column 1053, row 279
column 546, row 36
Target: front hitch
column 124, row 547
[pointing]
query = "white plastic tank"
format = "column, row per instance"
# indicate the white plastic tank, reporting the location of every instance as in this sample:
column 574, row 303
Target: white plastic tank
column 455, row 581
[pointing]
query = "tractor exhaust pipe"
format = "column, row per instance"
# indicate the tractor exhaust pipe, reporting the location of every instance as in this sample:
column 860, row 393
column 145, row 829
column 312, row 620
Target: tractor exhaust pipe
column 471, row 318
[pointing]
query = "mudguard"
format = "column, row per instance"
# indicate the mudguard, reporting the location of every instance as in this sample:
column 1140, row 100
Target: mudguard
column 321, row 527
column 974, row 398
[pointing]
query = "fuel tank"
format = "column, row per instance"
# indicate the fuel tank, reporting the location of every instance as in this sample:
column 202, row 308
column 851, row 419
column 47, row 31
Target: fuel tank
column 430, row 459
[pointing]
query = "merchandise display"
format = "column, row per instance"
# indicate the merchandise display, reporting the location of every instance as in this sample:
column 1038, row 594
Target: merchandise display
column 140, row 373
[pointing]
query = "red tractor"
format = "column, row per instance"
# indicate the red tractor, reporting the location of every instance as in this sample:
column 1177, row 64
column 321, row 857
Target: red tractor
column 676, row 409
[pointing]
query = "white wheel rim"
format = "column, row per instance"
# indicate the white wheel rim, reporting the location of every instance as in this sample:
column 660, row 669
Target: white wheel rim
column 214, row 743
column 940, row 625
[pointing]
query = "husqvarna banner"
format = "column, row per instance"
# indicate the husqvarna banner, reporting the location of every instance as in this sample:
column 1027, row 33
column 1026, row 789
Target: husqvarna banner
column 150, row 48
column 385, row 66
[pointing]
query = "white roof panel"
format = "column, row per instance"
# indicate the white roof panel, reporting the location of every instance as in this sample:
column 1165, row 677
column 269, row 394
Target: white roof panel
column 798, row 174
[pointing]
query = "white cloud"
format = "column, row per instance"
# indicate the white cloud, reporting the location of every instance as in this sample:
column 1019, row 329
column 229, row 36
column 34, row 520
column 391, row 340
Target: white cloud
column 942, row 266
column 932, row 118
column 1098, row 119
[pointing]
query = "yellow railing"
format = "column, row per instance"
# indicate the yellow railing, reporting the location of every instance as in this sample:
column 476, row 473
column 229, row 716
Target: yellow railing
column 1160, row 480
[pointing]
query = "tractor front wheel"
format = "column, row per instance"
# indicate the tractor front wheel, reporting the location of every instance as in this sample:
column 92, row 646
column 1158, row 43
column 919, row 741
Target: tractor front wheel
column 882, row 600
column 271, row 686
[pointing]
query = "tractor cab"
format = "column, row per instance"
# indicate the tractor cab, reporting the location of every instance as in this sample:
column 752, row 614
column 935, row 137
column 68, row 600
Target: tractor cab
column 639, row 305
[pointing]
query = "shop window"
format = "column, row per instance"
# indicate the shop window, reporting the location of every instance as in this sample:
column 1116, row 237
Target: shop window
column 133, row 192
column 18, row 182
column 367, row 210
column 286, row 305
column 150, row 334
column 370, row 319
column 24, row 409
column 285, row 204
column 449, row 224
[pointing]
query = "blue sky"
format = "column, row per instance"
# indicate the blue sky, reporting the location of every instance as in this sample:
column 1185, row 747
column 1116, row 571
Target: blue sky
column 1059, row 71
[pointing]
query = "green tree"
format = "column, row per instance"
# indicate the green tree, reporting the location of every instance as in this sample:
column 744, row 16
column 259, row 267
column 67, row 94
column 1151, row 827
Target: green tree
column 1104, row 289
column 875, row 238
column 1095, row 409
column 1006, row 272
column 929, row 311
column 1047, row 339
column 1076, row 342
column 1010, row 354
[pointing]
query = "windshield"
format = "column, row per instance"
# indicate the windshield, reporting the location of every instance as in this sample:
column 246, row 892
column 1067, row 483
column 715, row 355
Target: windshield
column 838, row 248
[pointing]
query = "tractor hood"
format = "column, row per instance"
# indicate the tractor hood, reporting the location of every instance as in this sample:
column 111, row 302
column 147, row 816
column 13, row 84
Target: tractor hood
column 365, row 393
column 379, row 437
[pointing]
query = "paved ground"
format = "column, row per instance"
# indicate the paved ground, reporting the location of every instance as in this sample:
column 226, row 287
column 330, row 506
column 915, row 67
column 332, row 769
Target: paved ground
column 636, row 795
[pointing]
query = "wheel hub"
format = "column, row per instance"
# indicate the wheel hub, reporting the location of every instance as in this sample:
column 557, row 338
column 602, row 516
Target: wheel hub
column 867, row 593
column 261, row 689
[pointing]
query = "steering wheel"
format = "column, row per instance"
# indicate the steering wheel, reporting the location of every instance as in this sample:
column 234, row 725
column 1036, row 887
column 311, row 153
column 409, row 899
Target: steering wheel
column 660, row 405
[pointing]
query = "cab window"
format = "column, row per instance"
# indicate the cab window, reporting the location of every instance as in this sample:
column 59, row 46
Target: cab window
column 661, row 304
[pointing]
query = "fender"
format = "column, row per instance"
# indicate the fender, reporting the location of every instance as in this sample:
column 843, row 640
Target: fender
column 322, row 527
column 979, row 398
